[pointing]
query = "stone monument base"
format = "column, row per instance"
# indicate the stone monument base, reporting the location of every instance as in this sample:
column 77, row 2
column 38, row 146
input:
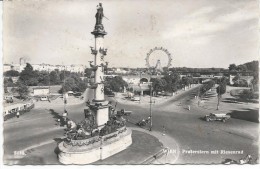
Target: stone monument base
column 95, row 148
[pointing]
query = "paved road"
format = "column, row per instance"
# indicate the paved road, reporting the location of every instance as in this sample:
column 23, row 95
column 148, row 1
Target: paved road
column 185, row 127
column 193, row 133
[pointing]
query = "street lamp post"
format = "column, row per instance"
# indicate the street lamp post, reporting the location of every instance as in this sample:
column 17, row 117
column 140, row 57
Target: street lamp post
column 151, row 113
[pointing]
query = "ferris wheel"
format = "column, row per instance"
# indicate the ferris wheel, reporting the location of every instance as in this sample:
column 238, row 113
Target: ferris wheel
column 157, row 58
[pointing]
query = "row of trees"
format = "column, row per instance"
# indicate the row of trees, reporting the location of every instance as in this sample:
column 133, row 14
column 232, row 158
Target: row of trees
column 171, row 83
column 205, row 87
column 249, row 66
column 221, row 89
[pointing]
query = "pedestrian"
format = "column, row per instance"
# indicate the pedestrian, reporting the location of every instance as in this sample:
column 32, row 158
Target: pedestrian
column 88, row 103
column 164, row 131
column 17, row 114
column 58, row 120
column 189, row 107
column 65, row 114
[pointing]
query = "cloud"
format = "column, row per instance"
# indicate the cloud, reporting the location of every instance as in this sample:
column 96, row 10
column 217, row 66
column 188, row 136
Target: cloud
column 205, row 22
column 57, row 31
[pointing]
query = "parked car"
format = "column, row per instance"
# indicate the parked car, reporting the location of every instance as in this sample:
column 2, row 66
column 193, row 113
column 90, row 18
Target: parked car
column 77, row 94
column 109, row 92
column 111, row 95
column 217, row 117
column 135, row 98
column 70, row 93
column 9, row 99
column 44, row 98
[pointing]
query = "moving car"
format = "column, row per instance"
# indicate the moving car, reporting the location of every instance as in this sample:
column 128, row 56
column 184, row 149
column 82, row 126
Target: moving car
column 217, row 117
column 144, row 122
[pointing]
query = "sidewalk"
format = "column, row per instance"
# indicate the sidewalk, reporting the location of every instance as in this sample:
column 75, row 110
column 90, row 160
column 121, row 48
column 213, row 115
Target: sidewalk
column 168, row 142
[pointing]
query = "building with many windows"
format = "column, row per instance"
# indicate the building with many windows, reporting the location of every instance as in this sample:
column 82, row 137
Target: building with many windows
column 45, row 67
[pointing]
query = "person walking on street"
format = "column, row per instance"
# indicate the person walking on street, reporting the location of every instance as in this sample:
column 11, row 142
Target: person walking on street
column 58, row 122
column 65, row 117
column 17, row 114
column 164, row 130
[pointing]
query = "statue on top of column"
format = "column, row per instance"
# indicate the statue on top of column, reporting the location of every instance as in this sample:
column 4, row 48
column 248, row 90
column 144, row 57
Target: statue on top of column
column 99, row 15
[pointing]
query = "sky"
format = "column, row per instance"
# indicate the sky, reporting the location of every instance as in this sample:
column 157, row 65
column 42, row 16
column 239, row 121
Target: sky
column 197, row 33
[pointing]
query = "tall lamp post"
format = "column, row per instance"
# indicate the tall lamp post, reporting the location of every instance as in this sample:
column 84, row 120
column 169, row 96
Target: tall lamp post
column 151, row 113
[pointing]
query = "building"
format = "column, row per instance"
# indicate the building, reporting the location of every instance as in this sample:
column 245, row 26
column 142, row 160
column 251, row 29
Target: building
column 45, row 67
column 7, row 67
column 41, row 90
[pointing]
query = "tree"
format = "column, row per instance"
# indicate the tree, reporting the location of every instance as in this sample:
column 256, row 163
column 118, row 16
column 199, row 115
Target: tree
column 68, row 85
column 221, row 89
column 73, row 83
column 184, row 82
column 173, row 82
column 158, row 84
column 28, row 76
column 196, row 75
column 255, row 82
column 232, row 67
column 11, row 73
column 22, row 90
column 82, row 86
column 241, row 68
column 116, row 84
column 43, row 78
column 87, row 72
column 205, row 87
column 54, row 78
column 8, row 82
column 64, row 74
column 247, row 95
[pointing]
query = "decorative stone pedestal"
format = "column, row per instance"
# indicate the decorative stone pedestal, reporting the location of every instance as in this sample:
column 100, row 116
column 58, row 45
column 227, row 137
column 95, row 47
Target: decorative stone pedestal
column 96, row 148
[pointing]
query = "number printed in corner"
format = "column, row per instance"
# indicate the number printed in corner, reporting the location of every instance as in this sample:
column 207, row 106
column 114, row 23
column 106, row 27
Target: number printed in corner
column 19, row 153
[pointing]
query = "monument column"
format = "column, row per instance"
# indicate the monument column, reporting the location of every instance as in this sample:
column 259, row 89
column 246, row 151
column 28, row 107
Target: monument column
column 99, row 52
column 94, row 140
